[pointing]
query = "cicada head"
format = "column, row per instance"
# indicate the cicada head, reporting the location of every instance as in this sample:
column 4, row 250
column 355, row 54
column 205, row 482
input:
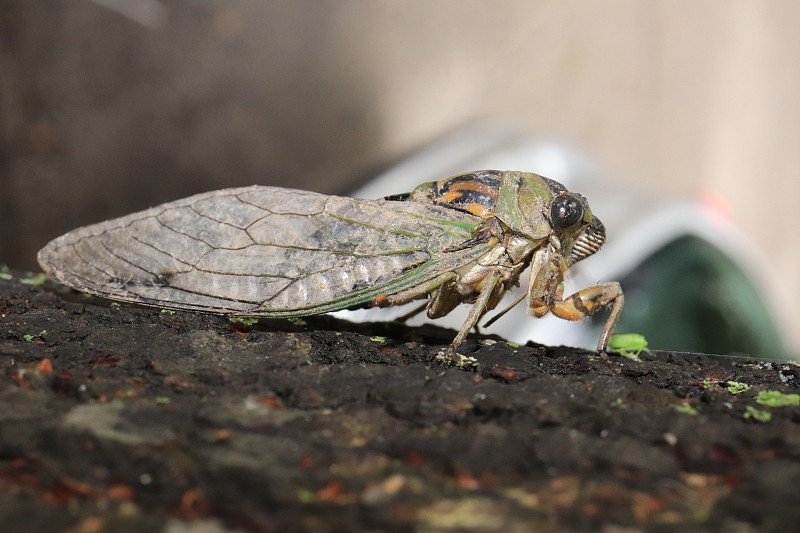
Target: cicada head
column 580, row 232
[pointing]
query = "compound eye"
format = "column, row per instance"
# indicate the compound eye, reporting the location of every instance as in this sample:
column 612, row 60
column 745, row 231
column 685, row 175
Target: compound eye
column 566, row 211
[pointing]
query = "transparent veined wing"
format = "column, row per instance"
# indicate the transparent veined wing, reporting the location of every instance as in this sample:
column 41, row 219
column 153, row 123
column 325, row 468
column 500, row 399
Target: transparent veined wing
column 263, row 251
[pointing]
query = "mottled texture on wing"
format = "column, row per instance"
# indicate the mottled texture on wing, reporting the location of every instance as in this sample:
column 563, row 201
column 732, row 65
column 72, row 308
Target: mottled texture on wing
column 261, row 250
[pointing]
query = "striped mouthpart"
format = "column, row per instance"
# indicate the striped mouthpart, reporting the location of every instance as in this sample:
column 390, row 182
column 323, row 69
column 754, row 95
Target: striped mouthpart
column 589, row 242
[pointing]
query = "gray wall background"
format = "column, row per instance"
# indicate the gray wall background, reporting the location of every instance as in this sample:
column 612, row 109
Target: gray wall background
column 110, row 106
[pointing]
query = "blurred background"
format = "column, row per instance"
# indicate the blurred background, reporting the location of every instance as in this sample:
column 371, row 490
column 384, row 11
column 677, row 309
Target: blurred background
column 111, row 106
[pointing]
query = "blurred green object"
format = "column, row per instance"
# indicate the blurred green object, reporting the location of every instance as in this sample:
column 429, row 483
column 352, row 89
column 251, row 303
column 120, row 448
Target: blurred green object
column 690, row 296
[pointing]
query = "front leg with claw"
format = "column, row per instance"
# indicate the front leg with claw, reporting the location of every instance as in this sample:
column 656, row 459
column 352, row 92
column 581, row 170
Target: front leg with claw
column 546, row 294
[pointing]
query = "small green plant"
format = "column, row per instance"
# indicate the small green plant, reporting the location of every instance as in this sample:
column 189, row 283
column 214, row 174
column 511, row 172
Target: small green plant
column 305, row 496
column 247, row 321
column 773, row 398
column 756, row 414
column 737, row 387
column 30, row 338
column 378, row 339
column 617, row 403
column 36, row 279
column 687, row 409
column 628, row 345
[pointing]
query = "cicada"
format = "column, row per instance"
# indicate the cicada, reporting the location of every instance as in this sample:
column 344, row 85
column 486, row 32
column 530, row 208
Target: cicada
column 277, row 252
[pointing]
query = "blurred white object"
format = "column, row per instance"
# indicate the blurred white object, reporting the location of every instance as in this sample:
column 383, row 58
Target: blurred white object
column 149, row 13
column 637, row 226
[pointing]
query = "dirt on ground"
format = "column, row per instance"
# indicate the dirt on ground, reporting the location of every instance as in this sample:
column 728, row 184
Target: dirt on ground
column 119, row 418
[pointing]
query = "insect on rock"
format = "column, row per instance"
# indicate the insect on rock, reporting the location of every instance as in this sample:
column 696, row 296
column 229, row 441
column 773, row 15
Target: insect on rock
column 276, row 252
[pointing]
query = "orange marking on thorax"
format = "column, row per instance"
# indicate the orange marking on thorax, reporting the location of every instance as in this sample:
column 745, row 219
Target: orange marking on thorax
column 476, row 186
column 479, row 210
column 451, row 195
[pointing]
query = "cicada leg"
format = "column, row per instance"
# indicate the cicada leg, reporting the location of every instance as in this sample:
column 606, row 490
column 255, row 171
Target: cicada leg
column 414, row 293
column 487, row 299
column 546, row 289
column 444, row 299
column 587, row 301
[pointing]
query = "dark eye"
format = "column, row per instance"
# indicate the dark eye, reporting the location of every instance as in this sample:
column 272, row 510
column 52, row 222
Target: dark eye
column 565, row 211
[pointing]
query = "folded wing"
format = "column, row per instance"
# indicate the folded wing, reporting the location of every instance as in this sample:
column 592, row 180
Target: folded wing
column 262, row 251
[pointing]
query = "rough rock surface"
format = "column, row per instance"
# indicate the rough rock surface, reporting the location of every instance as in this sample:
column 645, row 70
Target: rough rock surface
column 127, row 419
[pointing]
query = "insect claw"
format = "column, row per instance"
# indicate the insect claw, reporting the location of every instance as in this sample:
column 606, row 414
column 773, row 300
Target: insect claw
column 603, row 355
